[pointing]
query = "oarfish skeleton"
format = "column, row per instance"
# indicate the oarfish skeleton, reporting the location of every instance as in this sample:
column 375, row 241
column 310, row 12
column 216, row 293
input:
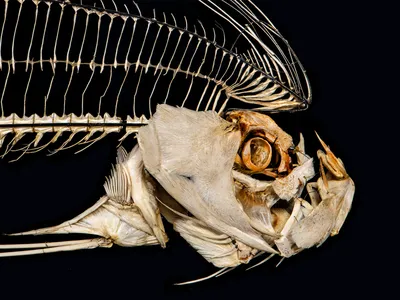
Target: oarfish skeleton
column 77, row 69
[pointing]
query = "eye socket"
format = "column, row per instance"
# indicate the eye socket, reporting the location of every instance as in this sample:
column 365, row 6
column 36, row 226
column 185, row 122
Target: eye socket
column 257, row 154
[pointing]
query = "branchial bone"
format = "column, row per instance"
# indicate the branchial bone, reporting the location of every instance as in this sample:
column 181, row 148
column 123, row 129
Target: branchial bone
column 196, row 170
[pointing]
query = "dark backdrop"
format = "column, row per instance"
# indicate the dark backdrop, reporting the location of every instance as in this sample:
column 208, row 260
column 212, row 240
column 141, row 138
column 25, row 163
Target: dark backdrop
column 40, row 191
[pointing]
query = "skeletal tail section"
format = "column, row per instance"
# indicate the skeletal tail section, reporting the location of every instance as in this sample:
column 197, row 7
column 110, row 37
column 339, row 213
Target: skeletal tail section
column 127, row 215
column 114, row 224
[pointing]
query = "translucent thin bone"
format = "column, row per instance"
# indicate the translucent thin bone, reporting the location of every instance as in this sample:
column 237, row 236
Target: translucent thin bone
column 287, row 62
column 227, row 271
column 204, row 59
column 119, row 92
column 72, row 37
column 216, row 100
column 97, row 38
column 4, row 88
column 221, row 91
column 46, row 98
column 78, row 245
column 83, row 39
column 241, row 8
column 191, row 60
column 178, row 68
column 211, row 98
column 215, row 54
column 24, row 150
column 130, row 43
column 233, row 71
column 48, row 230
column 107, row 39
column 2, row 31
column 92, row 142
column 228, row 18
column 165, row 48
column 223, row 106
column 12, row 143
column 84, row 93
column 44, row 33
column 136, row 90
column 79, row 142
column 154, row 44
column 124, row 18
column 261, row 262
column 71, row 136
column 220, row 64
column 152, row 91
column 176, row 47
column 67, row 89
column 58, row 32
column 38, row 149
column 143, row 43
column 202, row 96
column 188, row 92
column 105, row 91
column 26, row 90
column 21, row 2
column 204, row 278
column 184, row 53
column 42, row 245
column 33, row 34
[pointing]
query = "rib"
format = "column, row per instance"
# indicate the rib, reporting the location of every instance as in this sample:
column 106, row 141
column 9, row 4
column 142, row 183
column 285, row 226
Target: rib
column 2, row 32
column 154, row 44
column 249, row 80
column 14, row 35
column 108, row 37
column 4, row 90
column 58, row 32
column 33, row 34
column 72, row 37
column 44, row 33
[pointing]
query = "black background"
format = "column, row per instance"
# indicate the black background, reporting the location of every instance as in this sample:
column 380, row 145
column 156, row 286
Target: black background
column 38, row 191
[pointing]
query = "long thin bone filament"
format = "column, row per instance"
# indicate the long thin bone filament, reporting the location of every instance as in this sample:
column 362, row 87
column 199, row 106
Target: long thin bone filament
column 97, row 40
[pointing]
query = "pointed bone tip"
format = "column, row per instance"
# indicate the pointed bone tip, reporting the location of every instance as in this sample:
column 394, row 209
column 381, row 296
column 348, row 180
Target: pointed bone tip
column 301, row 143
column 334, row 232
column 316, row 133
column 31, row 232
column 13, row 234
column 160, row 236
column 325, row 146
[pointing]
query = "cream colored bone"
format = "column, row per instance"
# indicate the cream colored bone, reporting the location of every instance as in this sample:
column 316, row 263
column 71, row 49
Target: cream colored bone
column 127, row 216
column 194, row 167
column 183, row 169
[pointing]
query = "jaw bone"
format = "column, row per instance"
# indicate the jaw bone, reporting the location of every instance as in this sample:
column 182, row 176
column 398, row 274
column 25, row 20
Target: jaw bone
column 186, row 161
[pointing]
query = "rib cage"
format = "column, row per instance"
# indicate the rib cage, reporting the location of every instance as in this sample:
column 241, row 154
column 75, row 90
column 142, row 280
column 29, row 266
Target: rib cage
column 79, row 68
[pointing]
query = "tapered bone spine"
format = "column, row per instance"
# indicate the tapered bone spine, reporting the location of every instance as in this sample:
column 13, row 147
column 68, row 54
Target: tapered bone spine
column 248, row 76
column 106, row 124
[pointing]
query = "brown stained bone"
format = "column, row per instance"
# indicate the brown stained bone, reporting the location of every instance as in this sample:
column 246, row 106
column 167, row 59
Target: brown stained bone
column 256, row 155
